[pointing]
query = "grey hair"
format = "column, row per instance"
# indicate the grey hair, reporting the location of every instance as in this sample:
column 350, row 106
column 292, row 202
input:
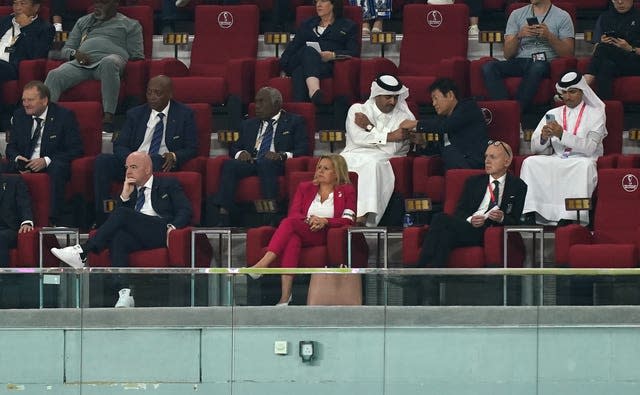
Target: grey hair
column 274, row 95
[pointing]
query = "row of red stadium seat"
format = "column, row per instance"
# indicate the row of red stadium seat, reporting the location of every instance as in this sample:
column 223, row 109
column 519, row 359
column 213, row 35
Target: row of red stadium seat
column 212, row 78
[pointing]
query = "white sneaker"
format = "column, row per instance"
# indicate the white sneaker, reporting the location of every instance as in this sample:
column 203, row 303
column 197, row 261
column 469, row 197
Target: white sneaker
column 69, row 255
column 474, row 31
column 182, row 3
column 125, row 299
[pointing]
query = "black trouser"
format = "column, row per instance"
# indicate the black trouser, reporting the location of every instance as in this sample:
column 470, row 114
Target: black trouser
column 609, row 62
column 445, row 233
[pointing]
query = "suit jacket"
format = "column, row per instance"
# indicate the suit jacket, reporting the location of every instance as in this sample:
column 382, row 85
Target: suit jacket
column 60, row 137
column 34, row 40
column 168, row 200
column 344, row 198
column 15, row 202
column 512, row 203
column 180, row 132
column 290, row 135
column 340, row 37
column 465, row 127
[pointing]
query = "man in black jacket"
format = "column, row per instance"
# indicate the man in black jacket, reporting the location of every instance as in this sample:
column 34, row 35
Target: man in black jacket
column 495, row 198
column 460, row 126
column 23, row 35
column 617, row 36
column 44, row 139
column 15, row 213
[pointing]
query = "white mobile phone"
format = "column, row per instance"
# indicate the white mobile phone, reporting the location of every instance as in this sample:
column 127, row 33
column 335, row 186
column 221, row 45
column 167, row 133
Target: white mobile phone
column 550, row 117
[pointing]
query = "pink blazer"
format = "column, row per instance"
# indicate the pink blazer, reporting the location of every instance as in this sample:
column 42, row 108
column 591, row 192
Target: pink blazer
column 344, row 198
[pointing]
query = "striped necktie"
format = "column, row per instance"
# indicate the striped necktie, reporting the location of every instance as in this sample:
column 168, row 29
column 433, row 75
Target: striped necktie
column 154, row 148
column 36, row 135
column 267, row 138
column 140, row 199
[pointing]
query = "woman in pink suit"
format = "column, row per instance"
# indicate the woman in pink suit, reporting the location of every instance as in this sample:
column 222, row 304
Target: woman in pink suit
column 326, row 202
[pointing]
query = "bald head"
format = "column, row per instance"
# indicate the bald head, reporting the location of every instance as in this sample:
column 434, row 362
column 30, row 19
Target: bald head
column 159, row 92
column 139, row 167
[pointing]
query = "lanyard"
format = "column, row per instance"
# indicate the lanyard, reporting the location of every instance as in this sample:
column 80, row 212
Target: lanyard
column 564, row 118
column 575, row 128
column 545, row 15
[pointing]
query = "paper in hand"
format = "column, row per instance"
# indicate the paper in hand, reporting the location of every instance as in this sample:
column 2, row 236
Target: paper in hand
column 315, row 45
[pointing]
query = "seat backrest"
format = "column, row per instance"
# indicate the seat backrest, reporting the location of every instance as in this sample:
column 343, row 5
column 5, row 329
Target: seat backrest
column 144, row 15
column 432, row 33
column 89, row 116
column 38, row 184
column 354, row 13
column 305, row 110
column 503, row 121
column 191, row 183
column 204, row 127
column 616, row 215
column 615, row 126
column 78, row 6
column 454, row 184
column 225, row 32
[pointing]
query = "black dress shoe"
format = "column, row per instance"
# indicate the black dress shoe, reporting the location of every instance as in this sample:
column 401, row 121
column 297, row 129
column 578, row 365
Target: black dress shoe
column 317, row 97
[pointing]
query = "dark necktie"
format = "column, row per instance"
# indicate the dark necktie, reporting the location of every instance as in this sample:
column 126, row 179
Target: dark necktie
column 267, row 138
column 157, row 136
column 36, row 135
column 140, row 199
column 496, row 194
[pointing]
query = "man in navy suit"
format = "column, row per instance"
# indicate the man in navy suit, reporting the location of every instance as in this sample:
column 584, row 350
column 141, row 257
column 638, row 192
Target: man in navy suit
column 148, row 209
column 44, row 138
column 15, row 213
column 265, row 143
column 495, row 198
column 23, row 35
column 460, row 125
column 163, row 128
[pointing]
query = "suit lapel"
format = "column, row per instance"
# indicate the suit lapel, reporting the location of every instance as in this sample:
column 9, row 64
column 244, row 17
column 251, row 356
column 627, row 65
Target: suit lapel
column 142, row 125
column 52, row 114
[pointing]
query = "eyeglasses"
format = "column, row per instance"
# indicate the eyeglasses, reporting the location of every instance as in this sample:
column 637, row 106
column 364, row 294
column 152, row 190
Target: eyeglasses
column 497, row 143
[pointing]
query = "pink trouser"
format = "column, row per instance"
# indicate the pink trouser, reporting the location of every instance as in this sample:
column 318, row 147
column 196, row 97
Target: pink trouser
column 290, row 237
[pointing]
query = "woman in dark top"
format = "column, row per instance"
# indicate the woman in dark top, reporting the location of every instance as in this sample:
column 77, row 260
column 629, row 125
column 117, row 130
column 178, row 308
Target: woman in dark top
column 335, row 35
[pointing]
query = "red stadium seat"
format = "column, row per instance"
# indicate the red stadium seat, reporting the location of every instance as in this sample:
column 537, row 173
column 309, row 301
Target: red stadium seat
column 343, row 83
column 489, row 255
column 444, row 28
column 334, row 253
column 27, row 254
column 249, row 187
column 134, row 82
column 546, row 90
column 215, row 74
column 503, row 123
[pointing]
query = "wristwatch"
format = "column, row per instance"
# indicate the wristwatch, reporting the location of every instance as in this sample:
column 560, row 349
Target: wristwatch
column 633, row 49
column 369, row 127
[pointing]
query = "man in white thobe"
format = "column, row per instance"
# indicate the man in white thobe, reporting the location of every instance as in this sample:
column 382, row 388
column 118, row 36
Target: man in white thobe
column 375, row 133
column 569, row 139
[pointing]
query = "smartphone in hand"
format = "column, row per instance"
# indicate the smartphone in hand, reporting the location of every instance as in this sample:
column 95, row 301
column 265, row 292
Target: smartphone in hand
column 550, row 118
column 532, row 21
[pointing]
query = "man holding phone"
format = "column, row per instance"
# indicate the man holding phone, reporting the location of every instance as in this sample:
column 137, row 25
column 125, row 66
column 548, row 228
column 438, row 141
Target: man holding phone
column 617, row 36
column 568, row 141
column 535, row 34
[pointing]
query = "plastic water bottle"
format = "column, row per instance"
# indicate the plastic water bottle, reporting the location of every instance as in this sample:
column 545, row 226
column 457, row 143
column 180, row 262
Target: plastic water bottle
column 407, row 221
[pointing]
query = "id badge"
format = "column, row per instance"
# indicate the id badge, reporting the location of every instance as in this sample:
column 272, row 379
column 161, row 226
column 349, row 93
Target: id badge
column 9, row 49
column 539, row 57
